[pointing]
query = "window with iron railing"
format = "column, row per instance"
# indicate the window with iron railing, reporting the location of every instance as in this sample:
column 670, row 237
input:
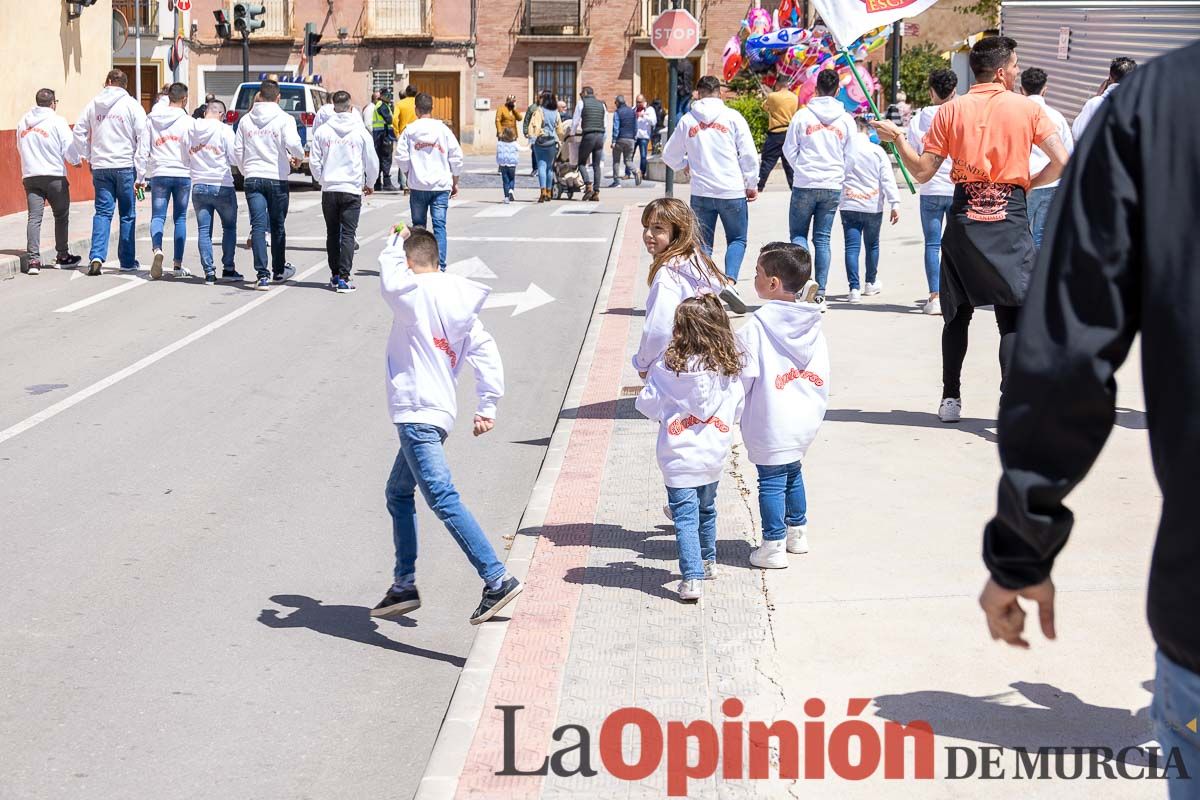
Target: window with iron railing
column 553, row 18
column 140, row 15
column 278, row 21
column 652, row 8
column 397, row 17
column 559, row 77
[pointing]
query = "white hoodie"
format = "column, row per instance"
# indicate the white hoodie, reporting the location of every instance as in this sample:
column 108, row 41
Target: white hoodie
column 940, row 184
column 673, row 283
column 786, row 375
column 45, row 141
column 266, row 137
column 435, row 328
column 816, row 143
column 162, row 149
column 342, row 155
column 869, row 178
column 210, row 150
column 429, row 155
column 714, row 142
column 696, row 412
column 1038, row 160
column 109, row 129
column 326, row 112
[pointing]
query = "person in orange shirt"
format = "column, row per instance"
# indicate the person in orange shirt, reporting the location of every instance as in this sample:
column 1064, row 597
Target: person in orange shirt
column 987, row 249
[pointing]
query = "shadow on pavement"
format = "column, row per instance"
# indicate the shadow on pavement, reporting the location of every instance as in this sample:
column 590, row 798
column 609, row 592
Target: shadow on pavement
column 353, row 623
column 869, row 306
column 1063, row 720
column 626, row 312
column 915, row 419
column 606, row 409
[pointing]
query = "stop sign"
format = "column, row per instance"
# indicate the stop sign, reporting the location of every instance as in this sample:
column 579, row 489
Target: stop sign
column 675, row 33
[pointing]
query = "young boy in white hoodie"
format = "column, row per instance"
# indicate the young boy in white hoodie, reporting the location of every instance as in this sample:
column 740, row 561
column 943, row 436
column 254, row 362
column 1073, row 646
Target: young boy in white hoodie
column 435, row 330
column 210, row 158
column 162, row 163
column 693, row 392
column 343, row 161
column 45, row 142
column 815, row 146
column 870, row 184
column 786, row 377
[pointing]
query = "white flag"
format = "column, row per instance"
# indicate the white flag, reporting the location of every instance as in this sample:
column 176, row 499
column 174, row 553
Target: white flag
column 849, row 19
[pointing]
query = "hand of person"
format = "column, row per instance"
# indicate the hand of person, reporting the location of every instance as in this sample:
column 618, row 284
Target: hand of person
column 403, row 230
column 643, row 375
column 368, row 190
column 454, row 188
column 751, row 194
column 483, row 425
column 888, row 131
column 295, row 162
column 1006, row 618
column 895, row 215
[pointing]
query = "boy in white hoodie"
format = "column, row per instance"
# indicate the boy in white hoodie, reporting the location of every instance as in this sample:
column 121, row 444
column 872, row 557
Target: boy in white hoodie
column 431, row 159
column 210, row 158
column 107, row 135
column 786, row 377
column 267, row 146
column 693, row 392
column 870, row 183
column 816, row 144
column 713, row 142
column 162, row 160
column 45, row 142
column 343, row 160
column 435, row 329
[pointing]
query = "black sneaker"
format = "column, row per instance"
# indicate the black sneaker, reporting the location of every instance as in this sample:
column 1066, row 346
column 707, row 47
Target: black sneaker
column 67, row 261
column 232, row 276
column 733, row 300
column 494, row 601
column 397, row 604
column 210, row 279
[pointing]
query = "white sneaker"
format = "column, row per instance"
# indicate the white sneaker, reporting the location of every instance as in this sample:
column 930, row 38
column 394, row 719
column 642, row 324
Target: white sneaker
column 770, row 555
column 855, row 296
column 156, row 265
column 691, row 590
column 950, row 410
column 288, row 272
column 797, row 539
column 710, row 570
column 667, row 512
column 180, row 271
column 872, row 289
column 933, row 307
column 820, row 301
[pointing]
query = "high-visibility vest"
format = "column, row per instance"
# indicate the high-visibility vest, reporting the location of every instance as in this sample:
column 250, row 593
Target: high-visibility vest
column 377, row 123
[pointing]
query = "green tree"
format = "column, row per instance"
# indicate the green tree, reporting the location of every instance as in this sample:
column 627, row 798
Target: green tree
column 915, row 65
column 750, row 106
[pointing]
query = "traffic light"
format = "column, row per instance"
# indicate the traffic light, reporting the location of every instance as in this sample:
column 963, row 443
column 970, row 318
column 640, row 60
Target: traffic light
column 312, row 40
column 223, row 29
column 246, row 17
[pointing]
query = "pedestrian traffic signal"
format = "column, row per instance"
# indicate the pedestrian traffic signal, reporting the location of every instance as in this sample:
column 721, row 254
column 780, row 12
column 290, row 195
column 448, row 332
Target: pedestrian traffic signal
column 223, row 29
column 311, row 40
column 246, row 17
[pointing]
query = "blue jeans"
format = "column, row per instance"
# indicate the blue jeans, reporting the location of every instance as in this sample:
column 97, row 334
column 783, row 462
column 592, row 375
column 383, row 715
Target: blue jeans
column 508, row 179
column 268, row 200
column 735, row 219
column 222, row 200
column 643, row 164
column 114, row 188
column 1038, row 202
column 818, row 207
column 861, row 228
column 934, row 208
column 423, row 205
column 781, row 500
column 175, row 190
column 1176, row 700
column 694, row 512
column 421, row 462
column 544, row 158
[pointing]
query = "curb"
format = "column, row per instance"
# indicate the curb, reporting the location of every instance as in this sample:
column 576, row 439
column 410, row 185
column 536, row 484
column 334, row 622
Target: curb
column 11, row 265
column 457, row 732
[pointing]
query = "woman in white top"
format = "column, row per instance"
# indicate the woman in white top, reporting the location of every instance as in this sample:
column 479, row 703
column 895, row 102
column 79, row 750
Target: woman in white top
column 938, row 192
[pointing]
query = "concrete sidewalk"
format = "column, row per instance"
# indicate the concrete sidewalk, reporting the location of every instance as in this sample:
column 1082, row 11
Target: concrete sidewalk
column 79, row 238
column 882, row 608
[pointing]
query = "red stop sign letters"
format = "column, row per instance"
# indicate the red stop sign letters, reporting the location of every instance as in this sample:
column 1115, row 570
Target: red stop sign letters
column 675, row 33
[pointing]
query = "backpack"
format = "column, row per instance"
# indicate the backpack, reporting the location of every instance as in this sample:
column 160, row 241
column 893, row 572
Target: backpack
column 536, row 123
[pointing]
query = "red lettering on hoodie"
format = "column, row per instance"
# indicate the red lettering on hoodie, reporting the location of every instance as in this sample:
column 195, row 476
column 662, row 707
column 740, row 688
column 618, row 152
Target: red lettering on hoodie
column 704, row 126
column 38, row 131
column 444, row 346
column 798, row 374
column 820, row 126
column 434, row 145
column 680, row 425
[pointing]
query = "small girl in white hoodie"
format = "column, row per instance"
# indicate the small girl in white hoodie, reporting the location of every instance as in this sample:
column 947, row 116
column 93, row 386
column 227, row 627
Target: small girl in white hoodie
column 680, row 269
column 694, row 393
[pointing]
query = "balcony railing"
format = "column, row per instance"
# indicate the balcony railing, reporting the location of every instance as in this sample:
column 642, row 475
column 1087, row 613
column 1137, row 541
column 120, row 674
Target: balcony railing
column 554, row 18
column 649, row 9
column 398, row 18
column 277, row 18
column 141, row 16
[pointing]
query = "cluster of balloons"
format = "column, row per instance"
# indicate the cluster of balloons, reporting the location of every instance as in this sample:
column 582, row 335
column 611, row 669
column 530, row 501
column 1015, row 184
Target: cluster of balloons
column 783, row 55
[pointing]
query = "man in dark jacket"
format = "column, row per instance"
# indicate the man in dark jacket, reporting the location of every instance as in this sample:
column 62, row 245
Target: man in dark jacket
column 624, row 142
column 1118, row 258
column 383, row 136
column 589, row 121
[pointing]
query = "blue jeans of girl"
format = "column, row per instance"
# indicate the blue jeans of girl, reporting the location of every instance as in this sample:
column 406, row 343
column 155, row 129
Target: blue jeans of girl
column 781, row 500
column 694, row 512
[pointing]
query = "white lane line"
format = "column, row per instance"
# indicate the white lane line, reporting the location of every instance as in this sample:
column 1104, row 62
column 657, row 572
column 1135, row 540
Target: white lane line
column 510, row 210
column 558, row 239
column 133, row 369
column 131, row 282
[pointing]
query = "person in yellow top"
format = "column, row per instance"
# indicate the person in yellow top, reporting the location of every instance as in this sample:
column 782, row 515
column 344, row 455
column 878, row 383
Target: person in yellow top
column 780, row 106
column 405, row 112
column 507, row 115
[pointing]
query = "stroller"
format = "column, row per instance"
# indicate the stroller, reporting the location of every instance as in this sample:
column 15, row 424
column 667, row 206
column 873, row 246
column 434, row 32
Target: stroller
column 567, row 178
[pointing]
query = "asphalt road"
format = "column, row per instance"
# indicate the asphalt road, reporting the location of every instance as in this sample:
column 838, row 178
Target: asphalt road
column 192, row 483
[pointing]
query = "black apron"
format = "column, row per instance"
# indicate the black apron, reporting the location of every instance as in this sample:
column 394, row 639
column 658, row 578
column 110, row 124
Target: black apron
column 987, row 249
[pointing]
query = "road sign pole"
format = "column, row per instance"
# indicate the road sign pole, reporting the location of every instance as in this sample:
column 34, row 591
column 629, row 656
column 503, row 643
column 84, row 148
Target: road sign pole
column 245, row 57
column 672, row 104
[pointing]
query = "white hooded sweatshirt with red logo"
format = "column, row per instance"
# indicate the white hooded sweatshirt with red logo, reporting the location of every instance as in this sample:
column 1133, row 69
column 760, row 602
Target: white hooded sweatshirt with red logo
column 714, row 142
column 696, row 412
column 816, row 144
column 435, row 330
column 786, row 377
column 163, row 149
column 429, row 155
column 109, row 128
column 45, row 141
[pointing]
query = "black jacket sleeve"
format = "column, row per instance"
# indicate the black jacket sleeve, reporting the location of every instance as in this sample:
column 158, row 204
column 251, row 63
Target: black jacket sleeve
column 1079, row 320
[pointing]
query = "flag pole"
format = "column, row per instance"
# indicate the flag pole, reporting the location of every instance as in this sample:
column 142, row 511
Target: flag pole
column 891, row 146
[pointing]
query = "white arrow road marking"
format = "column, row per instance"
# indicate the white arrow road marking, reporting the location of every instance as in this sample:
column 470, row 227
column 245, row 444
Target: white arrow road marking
column 131, row 282
column 473, row 268
column 521, row 302
column 509, row 210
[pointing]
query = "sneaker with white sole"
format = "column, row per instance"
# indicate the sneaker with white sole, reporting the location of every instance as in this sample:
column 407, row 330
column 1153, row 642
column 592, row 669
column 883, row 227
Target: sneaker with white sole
column 397, row 603
column 855, row 296
column 34, row 268
column 667, row 512
column 288, row 272
column 263, row 285
column 770, row 555
column 94, row 267
column 344, row 286
column 820, row 301
column 494, row 600
column 797, row 539
column 180, row 271
column 691, row 589
column 156, row 265
column 734, row 300
column 872, row 289
column 950, row 410
column 710, row 570
column 933, row 307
